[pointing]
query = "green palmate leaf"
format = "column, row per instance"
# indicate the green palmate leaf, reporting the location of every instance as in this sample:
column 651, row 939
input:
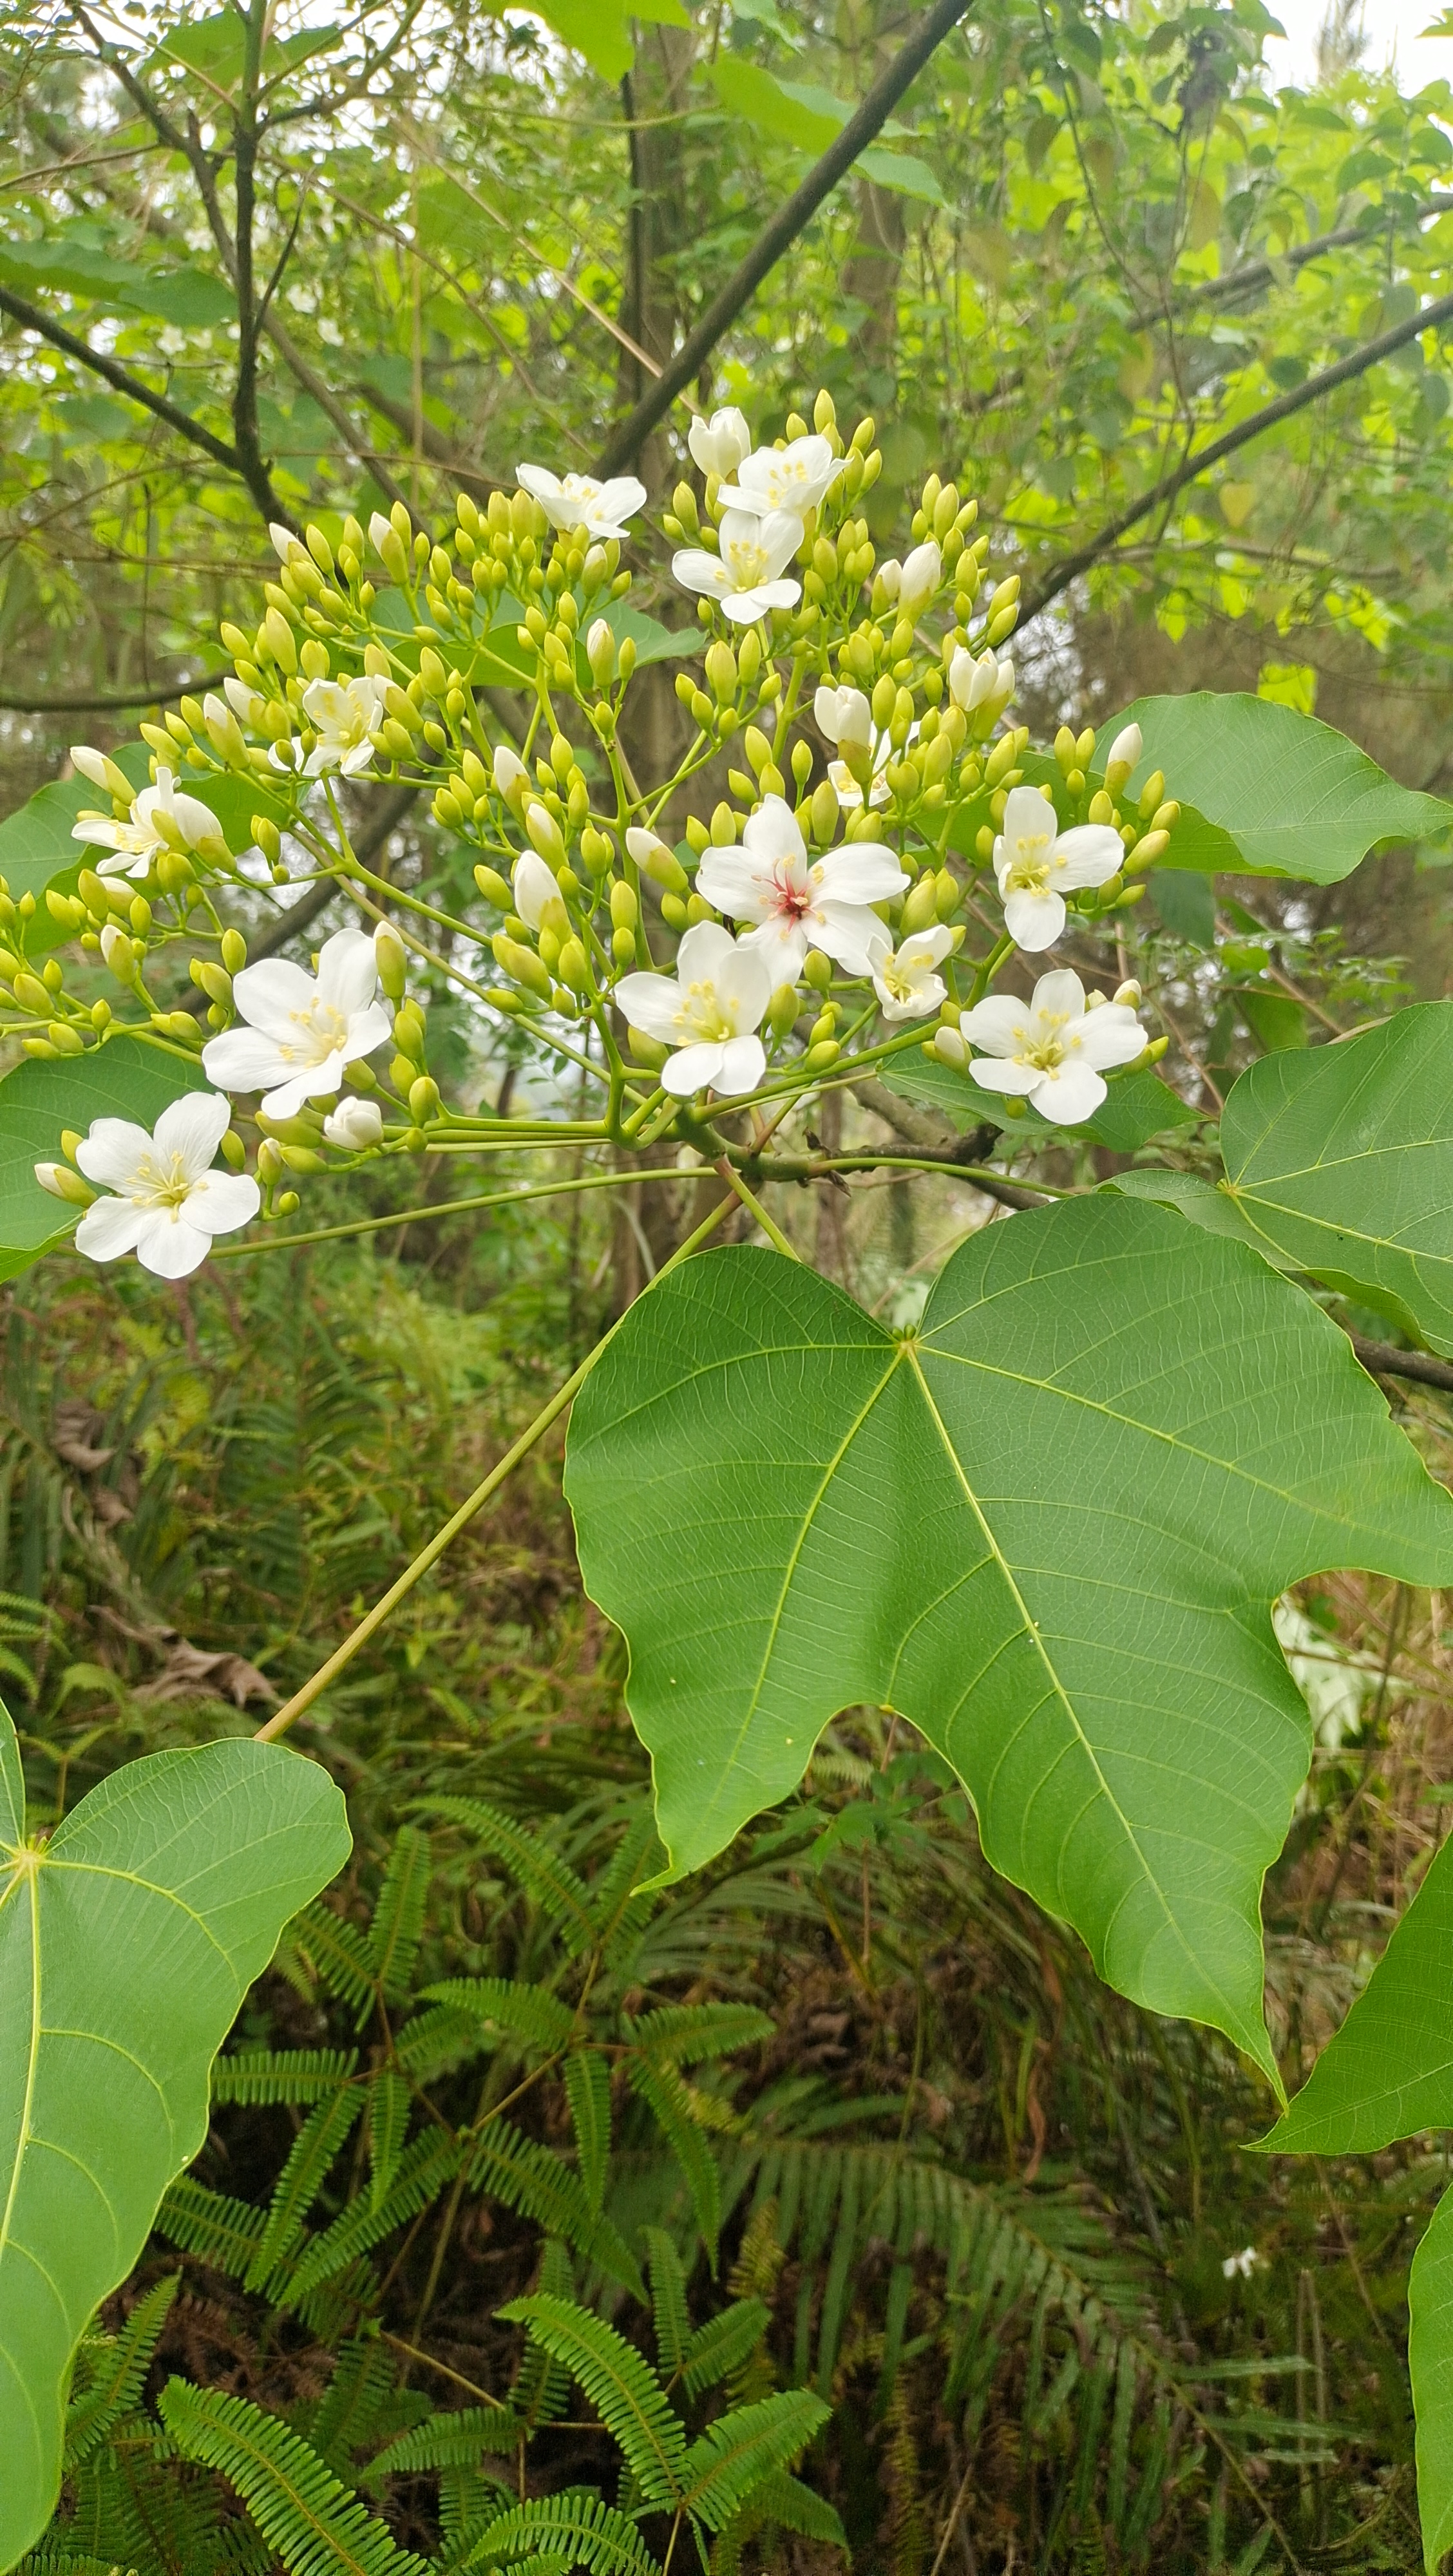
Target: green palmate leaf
column 127, row 1943
column 315, row 2524
column 127, row 1079
column 621, row 2386
column 1388, row 2074
column 1266, row 791
column 1047, row 1527
column 1341, row 1160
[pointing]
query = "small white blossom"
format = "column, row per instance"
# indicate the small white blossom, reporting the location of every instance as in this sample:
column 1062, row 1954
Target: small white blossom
column 160, row 819
column 985, row 683
column 354, row 1125
column 343, row 714
column 795, row 477
column 1053, row 1049
column 796, row 903
column 536, row 891
column 1125, row 751
column 844, row 715
column 167, row 1201
column 708, row 1011
column 719, row 445
column 912, row 583
column 746, row 578
column 284, row 544
column 1037, row 864
column 904, row 980
column 302, row 1030
column 509, row 772
column 579, row 501
column 1246, row 2262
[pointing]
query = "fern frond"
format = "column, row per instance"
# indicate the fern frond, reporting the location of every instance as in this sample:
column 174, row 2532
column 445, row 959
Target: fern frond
column 723, row 2344
column 316, row 2525
column 661, row 2089
column 684, row 2034
column 344, row 2419
column 337, row 1953
column 531, row 2178
column 784, row 2500
column 457, row 2441
column 423, row 2170
column 389, row 2105
column 119, row 2366
column 621, row 2386
column 587, row 2091
column 398, row 1918
column 267, row 2075
column 668, row 2301
column 526, row 2012
column 585, row 2533
column 433, row 2042
column 554, row 1885
column 734, row 2455
column 219, row 2231
column 613, row 1894
column 310, row 2161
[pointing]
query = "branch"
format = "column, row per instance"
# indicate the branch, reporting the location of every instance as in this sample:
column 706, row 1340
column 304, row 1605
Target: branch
column 30, row 318
column 932, row 1136
column 1257, row 423
column 301, row 915
column 1380, row 1359
column 778, row 236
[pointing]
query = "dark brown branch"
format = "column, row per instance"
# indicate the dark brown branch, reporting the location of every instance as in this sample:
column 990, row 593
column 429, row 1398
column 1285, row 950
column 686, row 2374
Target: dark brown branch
column 30, row 318
column 779, row 235
column 245, row 433
column 1381, row 1359
column 931, row 1134
column 1256, row 273
column 1272, row 414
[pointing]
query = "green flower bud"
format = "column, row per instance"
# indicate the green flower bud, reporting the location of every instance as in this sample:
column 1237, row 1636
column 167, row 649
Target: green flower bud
column 423, row 1099
column 391, row 958
column 783, row 1011
column 817, row 970
column 493, row 887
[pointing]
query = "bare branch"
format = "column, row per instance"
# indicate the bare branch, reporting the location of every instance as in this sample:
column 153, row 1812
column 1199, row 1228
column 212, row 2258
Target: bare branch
column 30, row 318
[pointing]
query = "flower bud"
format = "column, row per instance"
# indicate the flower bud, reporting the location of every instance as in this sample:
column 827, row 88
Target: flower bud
column 573, row 967
column 660, row 863
column 823, row 811
column 493, row 887
column 817, row 970
column 783, row 1011
column 647, row 1051
column 390, row 957
column 719, row 445
column 919, row 579
column 625, row 910
column 545, row 833
column 600, row 653
column 949, row 1047
column 423, row 1099
column 1151, row 794
column 920, row 904
column 1123, row 756
column 721, row 671
column 103, row 772
column 63, row 1183
column 1146, row 853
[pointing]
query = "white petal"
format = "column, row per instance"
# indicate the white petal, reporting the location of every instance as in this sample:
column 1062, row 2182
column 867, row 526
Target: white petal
column 109, row 1227
column 915, row 1005
column 743, row 1063
column 926, row 945
column 1060, row 994
column 772, row 834
column 745, row 609
column 292, row 1095
column 859, row 872
column 193, row 1128
column 695, row 569
column 746, row 982
column 734, row 882
column 704, row 953
column 619, row 498
column 534, row 888
column 112, row 1150
column 269, row 993
column 101, row 834
column 999, row 1024
column 366, row 1030
column 992, row 1073
column 1073, row 1091
column 1126, row 748
column 844, row 932
column 243, row 1060
column 1027, row 812
column 692, row 1069
column 222, row 1201
column 650, row 1003
column 784, row 943
column 1108, row 1037
column 539, row 482
column 1033, row 921
column 1088, row 855
column 168, row 1247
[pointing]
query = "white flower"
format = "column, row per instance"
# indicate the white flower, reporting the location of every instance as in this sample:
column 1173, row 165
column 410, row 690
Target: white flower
column 159, row 820
column 718, row 445
column 343, row 714
column 1037, row 864
column 707, row 1010
column 1052, row 1049
column 1246, row 2261
column 904, row 981
column 355, row 1125
column 578, row 501
column 745, row 578
column 843, row 715
column 168, row 1201
column 1125, row 751
column 796, row 903
column 985, row 683
column 301, row 1029
column 795, row 478
column 535, row 891
column 913, row 582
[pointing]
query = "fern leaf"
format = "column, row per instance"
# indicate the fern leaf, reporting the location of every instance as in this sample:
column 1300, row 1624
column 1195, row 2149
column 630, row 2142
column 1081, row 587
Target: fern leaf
column 668, row 2301
column 793, row 2507
column 587, row 2090
column 423, row 2169
column 314, row 2523
column 434, row 2042
column 684, row 2034
column 119, row 2366
column 732, row 2457
column 532, row 2179
column 554, row 1885
column 345, row 2416
column 310, row 2161
column 457, row 2441
column 221, row 2232
column 621, row 2386
column 612, row 1897
column 337, row 1953
column 526, row 2012
column 584, row 2531
column 389, row 2104
column 661, row 2089
column 398, row 1918
column 263, row 2075
column 723, row 2344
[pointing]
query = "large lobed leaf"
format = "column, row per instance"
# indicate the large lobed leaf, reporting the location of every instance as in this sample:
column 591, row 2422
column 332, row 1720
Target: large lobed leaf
column 1341, row 1160
column 127, row 1942
column 1266, row 791
column 1047, row 1527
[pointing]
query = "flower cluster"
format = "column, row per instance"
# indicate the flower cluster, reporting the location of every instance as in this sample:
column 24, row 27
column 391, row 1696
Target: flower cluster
column 859, row 839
